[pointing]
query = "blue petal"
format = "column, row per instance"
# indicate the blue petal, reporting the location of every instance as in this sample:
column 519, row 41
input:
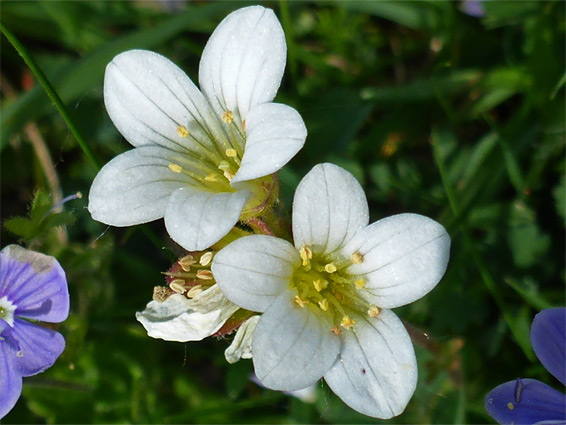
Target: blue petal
column 35, row 283
column 39, row 347
column 10, row 380
column 525, row 401
column 548, row 338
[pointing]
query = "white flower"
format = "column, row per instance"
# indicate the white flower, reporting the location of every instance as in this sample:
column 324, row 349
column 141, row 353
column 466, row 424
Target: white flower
column 326, row 300
column 181, row 319
column 241, row 347
column 201, row 160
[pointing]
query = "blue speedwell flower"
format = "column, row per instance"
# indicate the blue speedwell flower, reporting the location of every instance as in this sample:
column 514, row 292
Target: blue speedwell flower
column 32, row 286
column 528, row 401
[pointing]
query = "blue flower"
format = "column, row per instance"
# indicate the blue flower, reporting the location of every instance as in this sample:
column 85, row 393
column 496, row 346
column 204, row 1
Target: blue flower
column 32, row 286
column 528, row 401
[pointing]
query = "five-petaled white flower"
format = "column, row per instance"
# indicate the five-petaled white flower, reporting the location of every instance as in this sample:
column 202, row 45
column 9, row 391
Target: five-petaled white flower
column 326, row 300
column 205, row 160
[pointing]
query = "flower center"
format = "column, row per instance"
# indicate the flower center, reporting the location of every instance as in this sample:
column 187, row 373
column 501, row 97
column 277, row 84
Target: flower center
column 7, row 310
column 327, row 288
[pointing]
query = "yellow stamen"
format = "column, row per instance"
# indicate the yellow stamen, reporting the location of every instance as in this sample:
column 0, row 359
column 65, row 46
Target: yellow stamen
column 323, row 304
column 330, row 268
column 228, row 117
column 357, row 258
column 231, row 153
column 211, row 178
column 336, row 330
column 320, row 284
column 347, row 323
column 175, row 168
column 186, row 262
column 373, row 311
column 229, row 175
column 204, row 275
column 360, row 283
column 205, row 259
column 244, row 125
column 177, row 285
column 224, row 165
column 300, row 301
column 182, row 131
column 306, row 254
column 194, row 291
column 510, row 406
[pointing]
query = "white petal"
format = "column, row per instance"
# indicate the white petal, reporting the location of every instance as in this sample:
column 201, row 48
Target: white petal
column 181, row 319
column 148, row 97
column 328, row 208
column 241, row 347
column 196, row 219
column 252, row 271
column 376, row 370
column 293, row 347
column 274, row 134
column 135, row 186
column 243, row 61
column 405, row 256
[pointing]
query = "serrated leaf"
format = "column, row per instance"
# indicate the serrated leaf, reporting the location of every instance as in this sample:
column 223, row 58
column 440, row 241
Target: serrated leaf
column 59, row 219
column 528, row 244
column 20, row 226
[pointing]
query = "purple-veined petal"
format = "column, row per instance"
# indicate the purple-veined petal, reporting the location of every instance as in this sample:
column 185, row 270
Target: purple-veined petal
column 39, row 347
column 376, row 370
column 10, row 380
column 404, row 257
column 243, row 61
column 292, row 347
column 252, row 271
column 525, row 401
column 135, row 187
column 35, row 283
column 274, row 134
column 196, row 219
column 150, row 100
column 548, row 338
column 329, row 207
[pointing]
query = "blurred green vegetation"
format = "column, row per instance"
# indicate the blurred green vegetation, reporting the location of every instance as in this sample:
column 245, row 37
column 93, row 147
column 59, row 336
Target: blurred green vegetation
column 435, row 112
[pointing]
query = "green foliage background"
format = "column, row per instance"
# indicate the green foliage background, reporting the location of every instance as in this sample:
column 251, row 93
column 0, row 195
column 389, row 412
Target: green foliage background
column 435, row 112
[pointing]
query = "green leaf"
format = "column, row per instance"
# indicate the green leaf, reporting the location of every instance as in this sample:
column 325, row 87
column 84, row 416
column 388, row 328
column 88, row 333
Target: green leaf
column 20, row 226
column 59, row 219
column 527, row 242
column 559, row 193
column 417, row 15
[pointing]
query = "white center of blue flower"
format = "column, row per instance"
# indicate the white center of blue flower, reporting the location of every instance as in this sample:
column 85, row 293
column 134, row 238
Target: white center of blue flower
column 7, row 310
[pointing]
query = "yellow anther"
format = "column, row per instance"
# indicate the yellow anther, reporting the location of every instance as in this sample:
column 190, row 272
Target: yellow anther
column 323, row 304
column 211, row 178
column 206, row 259
column 320, row 284
column 186, row 262
column 510, row 406
column 224, row 165
column 357, row 258
column 360, row 283
column 244, row 125
column 204, row 275
column 79, row 195
column 330, row 268
column 177, row 285
column 306, row 254
column 182, row 131
column 228, row 117
column 300, row 301
column 175, row 168
column 373, row 311
column 336, row 330
column 347, row 323
column 229, row 175
column 231, row 153
column 194, row 291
